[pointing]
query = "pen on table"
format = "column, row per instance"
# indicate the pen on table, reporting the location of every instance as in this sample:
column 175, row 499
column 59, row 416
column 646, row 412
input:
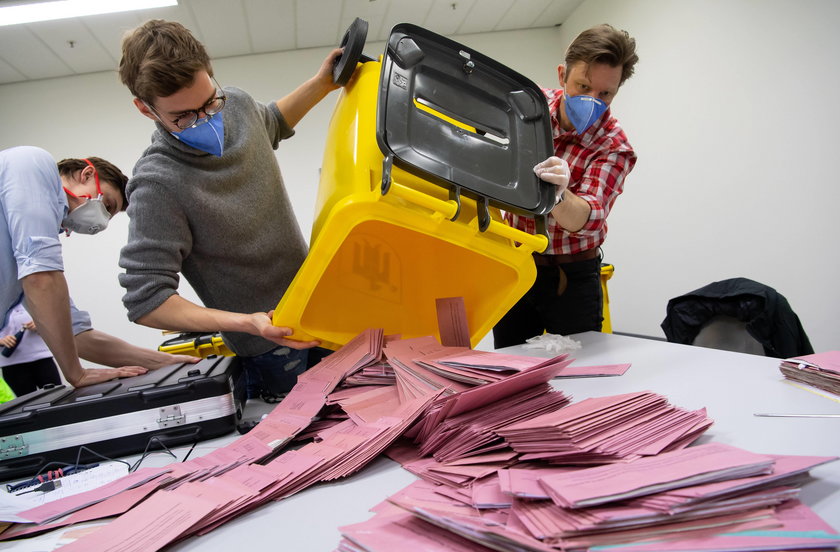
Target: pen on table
column 774, row 415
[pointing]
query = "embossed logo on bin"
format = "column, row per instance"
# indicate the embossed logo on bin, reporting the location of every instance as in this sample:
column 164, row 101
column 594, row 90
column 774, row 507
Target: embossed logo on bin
column 372, row 267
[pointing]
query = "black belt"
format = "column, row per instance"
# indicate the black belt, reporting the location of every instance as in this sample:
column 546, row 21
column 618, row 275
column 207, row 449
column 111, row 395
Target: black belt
column 557, row 260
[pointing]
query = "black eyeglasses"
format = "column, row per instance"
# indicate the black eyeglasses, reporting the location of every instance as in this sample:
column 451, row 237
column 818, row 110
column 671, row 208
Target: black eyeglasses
column 192, row 117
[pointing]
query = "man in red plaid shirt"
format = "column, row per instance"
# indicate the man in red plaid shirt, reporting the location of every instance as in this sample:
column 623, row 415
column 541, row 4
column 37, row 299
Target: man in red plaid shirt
column 592, row 157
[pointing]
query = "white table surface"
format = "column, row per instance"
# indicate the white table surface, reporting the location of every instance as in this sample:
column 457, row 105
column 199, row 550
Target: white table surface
column 732, row 386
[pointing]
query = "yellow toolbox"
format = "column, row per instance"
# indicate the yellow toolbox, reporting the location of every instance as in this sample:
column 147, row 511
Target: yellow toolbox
column 425, row 146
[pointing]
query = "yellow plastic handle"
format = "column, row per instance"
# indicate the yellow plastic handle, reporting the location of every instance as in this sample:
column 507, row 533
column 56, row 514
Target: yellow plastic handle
column 447, row 208
column 537, row 243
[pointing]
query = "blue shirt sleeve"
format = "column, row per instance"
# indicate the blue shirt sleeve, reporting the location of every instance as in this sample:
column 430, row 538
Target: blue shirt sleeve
column 80, row 319
column 33, row 205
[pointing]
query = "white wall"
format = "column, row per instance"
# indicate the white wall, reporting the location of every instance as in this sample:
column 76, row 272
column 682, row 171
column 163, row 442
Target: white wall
column 731, row 113
column 93, row 115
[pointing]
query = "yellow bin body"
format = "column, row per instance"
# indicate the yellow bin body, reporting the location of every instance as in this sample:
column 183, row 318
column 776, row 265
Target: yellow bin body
column 380, row 261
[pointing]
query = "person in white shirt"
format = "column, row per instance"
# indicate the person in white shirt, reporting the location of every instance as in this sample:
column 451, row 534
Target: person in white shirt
column 29, row 364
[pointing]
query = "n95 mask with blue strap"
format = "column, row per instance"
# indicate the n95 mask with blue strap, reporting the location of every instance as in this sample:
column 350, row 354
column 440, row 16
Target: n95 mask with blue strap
column 583, row 111
column 208, row 134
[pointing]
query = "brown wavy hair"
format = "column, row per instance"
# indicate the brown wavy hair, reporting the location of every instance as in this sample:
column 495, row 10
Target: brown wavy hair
column 604, row 44
column 107, row 172
column 159, row 58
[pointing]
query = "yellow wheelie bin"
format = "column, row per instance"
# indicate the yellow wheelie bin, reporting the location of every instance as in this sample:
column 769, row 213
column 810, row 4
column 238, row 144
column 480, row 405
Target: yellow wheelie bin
column 426, row 145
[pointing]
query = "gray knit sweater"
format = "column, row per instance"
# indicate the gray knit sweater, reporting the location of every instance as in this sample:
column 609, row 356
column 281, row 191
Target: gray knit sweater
column 225, row 222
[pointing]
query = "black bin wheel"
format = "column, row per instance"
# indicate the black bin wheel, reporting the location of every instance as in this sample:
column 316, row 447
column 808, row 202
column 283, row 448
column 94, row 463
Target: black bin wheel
column 353, row 43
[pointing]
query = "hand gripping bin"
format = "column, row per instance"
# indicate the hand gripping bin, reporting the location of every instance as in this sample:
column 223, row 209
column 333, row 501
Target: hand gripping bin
column 423, row 149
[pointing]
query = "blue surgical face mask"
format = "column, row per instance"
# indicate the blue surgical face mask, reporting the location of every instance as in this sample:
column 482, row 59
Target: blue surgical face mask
column 207, row 135
column 582, row 111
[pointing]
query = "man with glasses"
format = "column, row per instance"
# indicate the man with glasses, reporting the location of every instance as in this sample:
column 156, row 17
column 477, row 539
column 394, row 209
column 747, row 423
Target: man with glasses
column 38, row 199
column 208, row 202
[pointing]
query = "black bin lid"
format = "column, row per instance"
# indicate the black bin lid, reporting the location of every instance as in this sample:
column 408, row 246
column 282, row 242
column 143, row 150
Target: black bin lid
column 424, row 75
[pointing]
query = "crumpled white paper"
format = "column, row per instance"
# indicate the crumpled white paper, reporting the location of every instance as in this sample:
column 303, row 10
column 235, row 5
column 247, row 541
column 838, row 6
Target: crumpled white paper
column 553, row 343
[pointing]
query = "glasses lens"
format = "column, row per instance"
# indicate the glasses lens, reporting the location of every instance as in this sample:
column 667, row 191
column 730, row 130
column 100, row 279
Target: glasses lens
column 186, row 121
column 215, row 105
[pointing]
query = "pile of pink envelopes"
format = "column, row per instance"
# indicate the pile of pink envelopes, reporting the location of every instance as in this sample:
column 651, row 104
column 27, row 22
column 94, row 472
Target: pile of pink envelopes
column 705, row 498
column 505, row 462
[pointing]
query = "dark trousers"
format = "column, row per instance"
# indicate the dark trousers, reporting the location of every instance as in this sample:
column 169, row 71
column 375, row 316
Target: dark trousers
column 276, row 371
column 27, row 377
column 578, row 309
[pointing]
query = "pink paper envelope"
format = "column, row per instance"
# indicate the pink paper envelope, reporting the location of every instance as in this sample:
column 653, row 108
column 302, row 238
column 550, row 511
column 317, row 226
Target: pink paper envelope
column 487, row 394
column 488, row 494
column 495, row 361
column 525, row 482
column 784, row 466
column 799, row 528
column 576, row 412
column 63, row 506
column 690, row 466
column 828, row 361
column 150, row 526
column 593, row 371
column 452, row 322
column 403, row 531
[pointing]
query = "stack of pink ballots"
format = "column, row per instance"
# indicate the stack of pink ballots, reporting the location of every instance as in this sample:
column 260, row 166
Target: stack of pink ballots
column 821, row 370
column 606, row 429
column 506, row 462
column 349, row 426
column 703, row 498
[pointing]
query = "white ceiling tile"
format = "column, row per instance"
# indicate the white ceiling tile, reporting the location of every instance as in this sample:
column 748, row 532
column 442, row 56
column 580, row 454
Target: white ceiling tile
column 182, row 13
column 9, row 74
column 75, row 45
column 524, row 15
column 362, row 8
column 447, row 15
column 110, row 28
column 24, row 51
column 484, row 15
column 402, row 11
column 272, row 24
column 372, row 11
column 236, row 27
column 559, row 11
column 223, row 26
column 374, row 22
column 317, row 22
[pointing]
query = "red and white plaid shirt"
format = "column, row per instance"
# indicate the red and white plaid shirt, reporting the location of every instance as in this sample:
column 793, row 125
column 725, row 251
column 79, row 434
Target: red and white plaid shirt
column 600, row 159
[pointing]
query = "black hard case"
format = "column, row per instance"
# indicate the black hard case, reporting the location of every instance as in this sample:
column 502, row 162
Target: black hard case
column 174, row 405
